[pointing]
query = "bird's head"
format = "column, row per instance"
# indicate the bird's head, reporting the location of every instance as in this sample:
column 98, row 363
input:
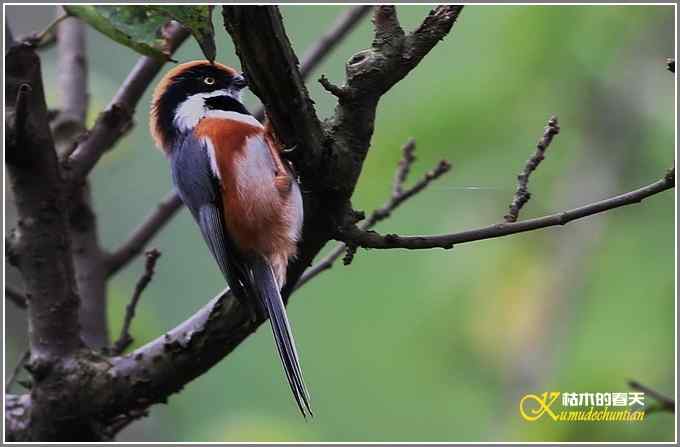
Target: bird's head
column 187, row 93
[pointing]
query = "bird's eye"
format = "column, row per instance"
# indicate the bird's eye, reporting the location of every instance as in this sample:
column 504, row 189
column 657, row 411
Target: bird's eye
column 208, row 80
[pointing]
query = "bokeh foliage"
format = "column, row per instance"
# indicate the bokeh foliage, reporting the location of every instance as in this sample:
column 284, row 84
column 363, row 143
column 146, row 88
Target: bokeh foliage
column 440, row 345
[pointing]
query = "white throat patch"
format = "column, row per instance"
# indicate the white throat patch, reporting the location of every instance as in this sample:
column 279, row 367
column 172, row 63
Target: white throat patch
column 193, row 109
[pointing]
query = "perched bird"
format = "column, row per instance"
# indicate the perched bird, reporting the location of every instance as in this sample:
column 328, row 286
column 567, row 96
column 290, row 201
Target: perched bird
column 228, row 170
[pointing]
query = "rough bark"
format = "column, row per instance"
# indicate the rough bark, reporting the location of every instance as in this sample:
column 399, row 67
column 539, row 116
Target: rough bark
column 42, row 246
column 68, row 128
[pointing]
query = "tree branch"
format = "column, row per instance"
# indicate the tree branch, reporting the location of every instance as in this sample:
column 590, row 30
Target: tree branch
column 15, row 296
column 43, row 242
column 665, row 403
column 68, row 127
column 72, row 64
column 371, row 239
column 45, row 261
column 522, row 195
column 399, row 194
column 117, row 118
column 46, row 37
column 125, row 339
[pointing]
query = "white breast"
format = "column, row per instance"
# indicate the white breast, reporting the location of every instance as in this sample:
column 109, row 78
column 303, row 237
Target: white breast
column 256, row 170
column 256, row 173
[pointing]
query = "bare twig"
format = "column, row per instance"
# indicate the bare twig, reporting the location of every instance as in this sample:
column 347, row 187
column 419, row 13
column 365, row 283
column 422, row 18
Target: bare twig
column 125, row 339
column 404, row 168
column 171, row 203
column 522, row 195
column 17, row 370
column 335, row 90
column 664, row 403
column 15, row 296
column 370, row 239
column 45, row 37
column 399, row 194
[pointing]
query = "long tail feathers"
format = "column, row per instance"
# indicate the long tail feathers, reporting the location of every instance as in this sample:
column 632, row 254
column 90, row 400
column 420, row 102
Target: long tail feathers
column 270, row 297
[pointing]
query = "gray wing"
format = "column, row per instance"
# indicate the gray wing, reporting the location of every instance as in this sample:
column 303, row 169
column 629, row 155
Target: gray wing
column 199, row 189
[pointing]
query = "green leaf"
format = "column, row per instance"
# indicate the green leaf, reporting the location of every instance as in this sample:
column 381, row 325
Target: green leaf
column 136, row 27
column 198, row 19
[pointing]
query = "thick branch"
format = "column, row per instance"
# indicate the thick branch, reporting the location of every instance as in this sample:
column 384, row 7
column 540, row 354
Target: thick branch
column 368, row 239
column 117, row 118
column 67, row 128
column 43, row 242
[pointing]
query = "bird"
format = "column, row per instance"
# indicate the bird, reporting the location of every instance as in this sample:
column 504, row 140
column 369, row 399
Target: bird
column 228, row 170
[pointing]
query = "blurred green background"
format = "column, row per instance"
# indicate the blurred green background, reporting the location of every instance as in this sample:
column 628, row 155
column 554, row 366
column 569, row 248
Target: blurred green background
column 438, row 345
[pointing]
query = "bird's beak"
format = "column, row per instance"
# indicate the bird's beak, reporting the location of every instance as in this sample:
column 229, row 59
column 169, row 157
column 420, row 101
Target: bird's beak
column 239, row 82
